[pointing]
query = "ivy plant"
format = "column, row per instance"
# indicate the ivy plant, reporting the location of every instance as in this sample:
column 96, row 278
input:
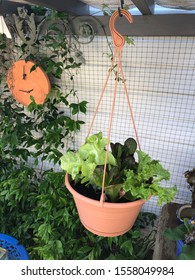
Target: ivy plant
column 33, row 198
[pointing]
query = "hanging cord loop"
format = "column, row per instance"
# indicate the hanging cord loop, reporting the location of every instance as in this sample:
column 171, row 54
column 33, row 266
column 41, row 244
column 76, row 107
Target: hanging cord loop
column 119, row 42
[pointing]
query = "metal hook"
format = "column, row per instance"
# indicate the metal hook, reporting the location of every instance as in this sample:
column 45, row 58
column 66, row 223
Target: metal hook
column 121, row 7
column 118, row 39
column 119, row 12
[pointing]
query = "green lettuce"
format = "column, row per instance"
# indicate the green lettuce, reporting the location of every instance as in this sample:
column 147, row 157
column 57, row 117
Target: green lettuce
column 146, row 180
column 81, row 165
column 124, row 178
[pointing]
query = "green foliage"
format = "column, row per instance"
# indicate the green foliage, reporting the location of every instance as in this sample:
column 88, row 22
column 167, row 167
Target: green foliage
column 34, row 205
column 145, row 181
column 39, row 10
column 80, row 107
column 177, row 233
column 186, row 233
column 3, row 56
column 83, row 245
column 34, row 210
column 125, row 159
column 188, row 252
column 82, row 165
column 44, row 218
column 124, row 176
column 129, row 41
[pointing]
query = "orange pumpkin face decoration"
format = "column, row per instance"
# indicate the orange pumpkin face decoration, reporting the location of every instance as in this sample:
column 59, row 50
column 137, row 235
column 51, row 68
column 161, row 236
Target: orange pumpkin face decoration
column 25, row 79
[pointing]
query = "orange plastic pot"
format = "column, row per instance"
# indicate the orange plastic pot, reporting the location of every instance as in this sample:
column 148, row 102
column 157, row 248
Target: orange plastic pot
column 108, row 219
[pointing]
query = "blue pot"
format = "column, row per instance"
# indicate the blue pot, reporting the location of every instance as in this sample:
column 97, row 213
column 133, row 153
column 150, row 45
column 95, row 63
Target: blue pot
column 179, row 247
column 15, row 250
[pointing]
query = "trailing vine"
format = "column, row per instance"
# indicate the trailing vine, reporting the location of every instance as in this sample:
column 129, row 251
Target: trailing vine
column 32, row 192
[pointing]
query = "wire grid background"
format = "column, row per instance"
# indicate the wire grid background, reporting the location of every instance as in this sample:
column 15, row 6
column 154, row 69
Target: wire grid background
column 160, row 77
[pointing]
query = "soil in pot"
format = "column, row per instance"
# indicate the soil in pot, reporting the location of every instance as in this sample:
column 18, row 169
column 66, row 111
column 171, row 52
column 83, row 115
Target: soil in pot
column 90, row 192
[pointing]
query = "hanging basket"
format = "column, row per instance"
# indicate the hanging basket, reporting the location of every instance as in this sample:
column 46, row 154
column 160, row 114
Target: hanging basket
column 100, row 217
column 107, row 219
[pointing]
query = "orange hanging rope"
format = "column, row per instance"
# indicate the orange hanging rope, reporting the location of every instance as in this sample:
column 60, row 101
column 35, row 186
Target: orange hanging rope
column 119, row 42
column 130, row 109
column 102, row 93
column 109, row 132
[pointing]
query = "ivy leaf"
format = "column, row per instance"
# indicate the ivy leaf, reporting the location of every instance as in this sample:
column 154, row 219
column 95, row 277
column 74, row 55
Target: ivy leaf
column 80, row 107
column 33, row 68
column 75, row 108
column 83, row 106
column 72, row 125
column 129, row 40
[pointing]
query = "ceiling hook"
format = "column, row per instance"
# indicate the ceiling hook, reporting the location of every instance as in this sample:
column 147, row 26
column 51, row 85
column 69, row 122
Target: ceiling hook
column 121, row 7
column 118, row 39
column 119, row 12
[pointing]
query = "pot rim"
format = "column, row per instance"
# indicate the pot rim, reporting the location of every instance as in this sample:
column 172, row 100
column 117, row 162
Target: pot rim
column 181, row 208
column 98, row 203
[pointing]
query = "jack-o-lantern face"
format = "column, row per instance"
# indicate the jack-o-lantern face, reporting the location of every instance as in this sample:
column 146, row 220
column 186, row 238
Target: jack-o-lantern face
column 24, row 79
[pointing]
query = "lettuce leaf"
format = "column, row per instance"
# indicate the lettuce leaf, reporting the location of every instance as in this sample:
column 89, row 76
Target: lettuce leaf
column 82, row 164
column 146, row 180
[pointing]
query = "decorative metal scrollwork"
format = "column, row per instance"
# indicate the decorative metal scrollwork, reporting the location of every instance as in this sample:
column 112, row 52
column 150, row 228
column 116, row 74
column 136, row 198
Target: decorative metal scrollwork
column 26, row 27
